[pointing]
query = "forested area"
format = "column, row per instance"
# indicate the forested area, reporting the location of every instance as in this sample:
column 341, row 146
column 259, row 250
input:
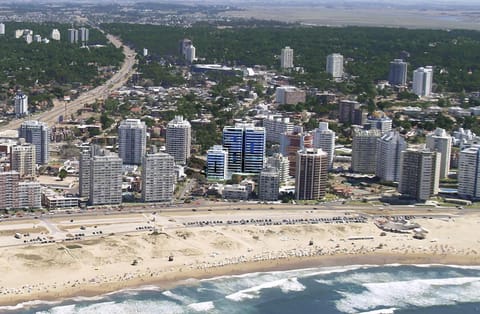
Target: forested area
column 56, row 63
column 367, row 50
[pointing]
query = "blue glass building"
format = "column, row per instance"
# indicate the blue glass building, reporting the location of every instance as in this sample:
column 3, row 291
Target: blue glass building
column 246, row 148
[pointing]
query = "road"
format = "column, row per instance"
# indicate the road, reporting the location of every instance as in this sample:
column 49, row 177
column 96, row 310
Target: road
column 100, row 92
column 95, row 224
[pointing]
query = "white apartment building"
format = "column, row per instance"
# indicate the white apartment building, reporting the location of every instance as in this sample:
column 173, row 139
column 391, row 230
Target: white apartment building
column 275, row 125
column 469, row 172
column 335, row 65
column 389, row 152
column 364, row 150
column 132, row 141
column 268, row 184
column 178, row 139
column 55, row 34
column 158, row 178
column 281, row 163
column 422, row 81
column 190, row 53
column 105, row 180
column 419, row 174
column 21, row 104
column 440, row 141
column 324, row 138
column 22, row 159
column 286, row 58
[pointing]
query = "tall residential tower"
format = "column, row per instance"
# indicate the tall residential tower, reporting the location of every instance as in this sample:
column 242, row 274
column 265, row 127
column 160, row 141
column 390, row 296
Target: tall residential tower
column 286, row 58
column 179, row 139
column 36, row 133
column 132, row 140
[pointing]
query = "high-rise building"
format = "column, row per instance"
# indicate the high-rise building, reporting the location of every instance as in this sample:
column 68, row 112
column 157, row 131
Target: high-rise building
column 17, row 194
column 55, row 34
column 364, row 150
column 22, row 159
column 145, row 52
column 246, row 148
column 419, row 174
column 289, row 95
column 291, row 143
column 280, row 162
column 84, row 172
column 83, row 35
column 158, row 178
column 384, row 124
column 232, row 139
column 100, row 176
column 179, row 139
column 311, row 174
column 422, row 81
column 469, row 173
column 105, row 180
column 21, row 104
column 286, row 58
column 253, row 149
column 335, row 65
column 217, row 163
column 72, row 35
column 183, row 45
column 389, row 152
column 441, row 142
column 28, row 38
column 350, row 111
column 324, row 138
column 36, row 133
column 268, row 184
column 398, row 73
column 190, row 53
column 2, row 29
column 275, row 125
column 132, row 138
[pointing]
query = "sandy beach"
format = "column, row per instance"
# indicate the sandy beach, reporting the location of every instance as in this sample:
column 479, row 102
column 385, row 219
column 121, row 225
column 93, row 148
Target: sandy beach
column 99, row 263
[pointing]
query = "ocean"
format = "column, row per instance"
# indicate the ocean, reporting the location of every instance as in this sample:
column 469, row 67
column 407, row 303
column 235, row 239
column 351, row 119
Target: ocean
column 365, row 289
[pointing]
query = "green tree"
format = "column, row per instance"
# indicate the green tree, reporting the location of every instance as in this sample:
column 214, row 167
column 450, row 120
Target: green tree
column 62, row 174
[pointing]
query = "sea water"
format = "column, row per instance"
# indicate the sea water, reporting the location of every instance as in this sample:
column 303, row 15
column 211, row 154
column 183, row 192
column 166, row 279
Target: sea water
column 395, row 289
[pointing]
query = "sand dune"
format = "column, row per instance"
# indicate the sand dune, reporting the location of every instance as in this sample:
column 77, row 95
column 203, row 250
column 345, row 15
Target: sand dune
column 106, row 263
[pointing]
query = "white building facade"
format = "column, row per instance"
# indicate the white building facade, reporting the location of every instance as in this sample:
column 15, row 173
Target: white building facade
column 158, row 178
column 132, row 138
column 286, row 58
column 324, row 138
column 179, row 139
column 335, row 65
column 422, row 81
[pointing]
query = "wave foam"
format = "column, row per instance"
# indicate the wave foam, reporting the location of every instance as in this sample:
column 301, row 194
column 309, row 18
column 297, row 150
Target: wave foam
column 202, row 306
column 382, row 311
column 180, row 298
column 418, row 292
column 131, row 306
column 286, row 285
column 28, row 304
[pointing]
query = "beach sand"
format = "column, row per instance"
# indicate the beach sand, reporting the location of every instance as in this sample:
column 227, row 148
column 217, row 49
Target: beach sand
column 98, row 265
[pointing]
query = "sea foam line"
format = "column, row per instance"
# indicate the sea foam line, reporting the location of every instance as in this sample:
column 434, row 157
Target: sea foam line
column 286, row 285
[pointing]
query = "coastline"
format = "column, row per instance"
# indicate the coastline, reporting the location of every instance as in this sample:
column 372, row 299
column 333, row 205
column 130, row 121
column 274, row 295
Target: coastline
column 116, row 261
column 173, row 280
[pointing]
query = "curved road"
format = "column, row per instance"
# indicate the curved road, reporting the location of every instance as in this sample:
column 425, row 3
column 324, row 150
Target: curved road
column 100, row 92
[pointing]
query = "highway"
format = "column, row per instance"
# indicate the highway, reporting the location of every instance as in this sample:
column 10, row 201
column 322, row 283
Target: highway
column 100, row 92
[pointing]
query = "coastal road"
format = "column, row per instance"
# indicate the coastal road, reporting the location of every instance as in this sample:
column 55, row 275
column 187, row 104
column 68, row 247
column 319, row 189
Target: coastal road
column 100, row 92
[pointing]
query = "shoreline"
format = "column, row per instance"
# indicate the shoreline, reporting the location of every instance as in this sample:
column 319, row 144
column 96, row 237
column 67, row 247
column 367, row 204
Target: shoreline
column 175, row 279
column 185, row 249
